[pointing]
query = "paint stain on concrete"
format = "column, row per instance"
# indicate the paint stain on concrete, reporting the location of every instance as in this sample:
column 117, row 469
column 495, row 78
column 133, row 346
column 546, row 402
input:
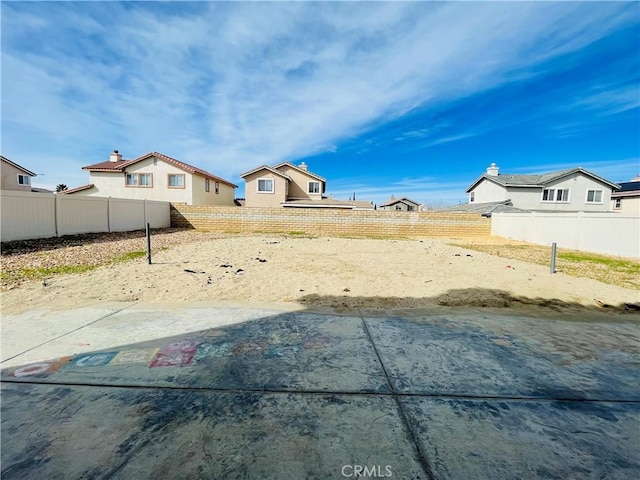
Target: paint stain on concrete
column 127, row 357
column 40, row 368
column 93, row 359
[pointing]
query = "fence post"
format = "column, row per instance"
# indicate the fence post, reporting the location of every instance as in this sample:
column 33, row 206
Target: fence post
column 55, row 212
column 553, row 258
column 148, row 244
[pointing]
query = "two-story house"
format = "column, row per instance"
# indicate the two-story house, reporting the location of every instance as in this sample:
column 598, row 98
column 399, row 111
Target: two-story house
column 571, row 190
column 155, row 176
column 14, row 176
column 288, row 185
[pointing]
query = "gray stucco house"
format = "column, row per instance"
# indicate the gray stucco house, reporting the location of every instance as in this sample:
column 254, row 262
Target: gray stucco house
column 571, row 190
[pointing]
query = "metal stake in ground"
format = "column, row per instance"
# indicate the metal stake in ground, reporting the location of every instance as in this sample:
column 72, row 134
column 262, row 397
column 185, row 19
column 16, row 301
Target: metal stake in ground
column 553, row 258
column 149, row 244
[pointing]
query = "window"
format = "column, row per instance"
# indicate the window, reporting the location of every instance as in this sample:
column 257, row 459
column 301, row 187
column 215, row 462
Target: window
column 314, row 187
column 176, row 180
column 265, row 185
column 553, row 195
column 217, row 188
column 207, row 187
column 24, row 180
column 594, row 196
column 139, row 180
column 618, row 204
column 472, row 197
column 131, row 180
column 144, row 180
column 409, row 208
column 398, row 207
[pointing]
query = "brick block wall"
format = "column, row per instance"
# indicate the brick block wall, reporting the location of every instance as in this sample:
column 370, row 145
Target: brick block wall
column 311, row 221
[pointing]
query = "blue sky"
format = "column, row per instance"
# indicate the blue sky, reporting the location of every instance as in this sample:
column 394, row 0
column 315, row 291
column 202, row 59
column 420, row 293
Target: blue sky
column 406, row 98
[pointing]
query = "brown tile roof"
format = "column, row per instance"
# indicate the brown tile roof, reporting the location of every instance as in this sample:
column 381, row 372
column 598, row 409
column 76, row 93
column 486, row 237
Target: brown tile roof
column 120, row 166
column 77, row 189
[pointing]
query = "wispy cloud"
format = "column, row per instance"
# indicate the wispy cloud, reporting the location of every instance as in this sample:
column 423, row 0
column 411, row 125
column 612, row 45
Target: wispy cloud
column 229, row 86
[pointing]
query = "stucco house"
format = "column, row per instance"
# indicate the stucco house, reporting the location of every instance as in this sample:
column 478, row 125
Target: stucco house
column 402, row 204
column 626, row 199
column 571, row 190
column 14, row 176
column 290, row 186
column 155, row 176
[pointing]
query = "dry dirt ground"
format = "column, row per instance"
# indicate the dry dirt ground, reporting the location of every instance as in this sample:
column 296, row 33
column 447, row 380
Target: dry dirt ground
column 340, row 273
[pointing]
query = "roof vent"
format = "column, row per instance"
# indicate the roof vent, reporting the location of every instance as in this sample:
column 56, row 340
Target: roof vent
column 115, row 156
column 303, row 166
column 492, row 170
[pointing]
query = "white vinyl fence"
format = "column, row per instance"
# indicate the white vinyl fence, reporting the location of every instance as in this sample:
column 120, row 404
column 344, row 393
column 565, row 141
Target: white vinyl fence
column 608, row 233
column 28, row 215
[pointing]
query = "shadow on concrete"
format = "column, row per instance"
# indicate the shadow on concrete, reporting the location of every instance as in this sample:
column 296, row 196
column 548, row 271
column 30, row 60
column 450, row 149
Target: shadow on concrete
column 474, row 298
column 264, row 394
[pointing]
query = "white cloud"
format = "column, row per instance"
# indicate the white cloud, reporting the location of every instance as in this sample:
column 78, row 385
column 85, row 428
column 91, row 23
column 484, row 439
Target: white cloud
column 233, row 85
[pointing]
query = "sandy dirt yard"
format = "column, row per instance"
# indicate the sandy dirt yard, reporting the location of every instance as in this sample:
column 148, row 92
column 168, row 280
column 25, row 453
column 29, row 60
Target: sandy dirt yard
column 339, row 273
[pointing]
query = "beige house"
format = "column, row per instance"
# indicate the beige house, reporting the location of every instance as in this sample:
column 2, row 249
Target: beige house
column 288, row 185
column 626, row 200
column 403, row 204
column 15, row 177
column 155, row 176
column 572, row 190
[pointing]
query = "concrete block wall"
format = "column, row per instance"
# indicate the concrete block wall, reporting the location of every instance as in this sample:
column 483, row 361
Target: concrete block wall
column 312, row 221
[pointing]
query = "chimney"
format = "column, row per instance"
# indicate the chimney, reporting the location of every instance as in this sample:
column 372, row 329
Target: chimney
column 115, row 156
column 303, row 166
column 492, row 170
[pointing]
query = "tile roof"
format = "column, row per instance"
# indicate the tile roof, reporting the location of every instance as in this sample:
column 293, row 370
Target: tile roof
column 13, row 164
column 328, row 203
column 120, row 166
column 486, row 208
column 510, row 180
column 265, row 167
column 77, row 189
column 393, row 201
column 291, row 165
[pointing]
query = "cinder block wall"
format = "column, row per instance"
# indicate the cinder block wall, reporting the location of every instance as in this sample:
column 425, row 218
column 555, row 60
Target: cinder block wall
column 313, row 221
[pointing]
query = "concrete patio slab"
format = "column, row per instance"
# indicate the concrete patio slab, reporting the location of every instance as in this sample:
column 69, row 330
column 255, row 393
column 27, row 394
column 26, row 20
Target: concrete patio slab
column 508, row 357
column 97, row 432
column 222, row 392
column 484, row 438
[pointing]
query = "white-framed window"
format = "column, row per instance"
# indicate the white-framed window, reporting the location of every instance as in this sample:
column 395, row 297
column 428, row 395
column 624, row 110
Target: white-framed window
column 617, row 204
column 176, row 180
column 313, row 187
column 207, row 185
column 24, row 179
column 139, row 180
column 217, row 188
column 560, row 195
column 472, row 197
column 594, row 196
column 265, row 185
